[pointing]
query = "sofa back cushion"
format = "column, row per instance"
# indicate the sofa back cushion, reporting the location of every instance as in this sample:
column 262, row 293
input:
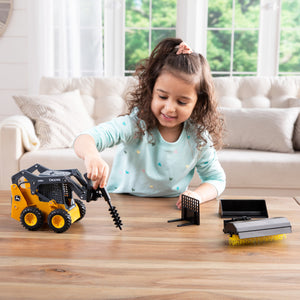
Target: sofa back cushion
column 103, row 97
column 261, row 92
column 256, row 92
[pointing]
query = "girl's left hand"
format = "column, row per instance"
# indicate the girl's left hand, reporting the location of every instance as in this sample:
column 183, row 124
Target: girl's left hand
column 190, row 194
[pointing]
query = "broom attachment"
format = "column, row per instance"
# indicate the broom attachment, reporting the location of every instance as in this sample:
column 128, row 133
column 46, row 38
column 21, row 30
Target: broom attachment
column 244, row 230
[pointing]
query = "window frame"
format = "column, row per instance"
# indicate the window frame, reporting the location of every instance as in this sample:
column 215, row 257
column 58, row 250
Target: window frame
column 114, row 37
column 191, row 26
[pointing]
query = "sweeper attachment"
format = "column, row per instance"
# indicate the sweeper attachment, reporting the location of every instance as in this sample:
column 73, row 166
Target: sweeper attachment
column 41, row 195
column 244, row 230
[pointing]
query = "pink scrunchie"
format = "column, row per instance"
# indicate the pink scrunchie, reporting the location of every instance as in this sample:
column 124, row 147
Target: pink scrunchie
column 183, row 48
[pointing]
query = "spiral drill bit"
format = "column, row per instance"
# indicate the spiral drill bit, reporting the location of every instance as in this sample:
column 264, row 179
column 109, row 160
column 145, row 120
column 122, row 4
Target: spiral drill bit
column 112, row 209
column 92, row 194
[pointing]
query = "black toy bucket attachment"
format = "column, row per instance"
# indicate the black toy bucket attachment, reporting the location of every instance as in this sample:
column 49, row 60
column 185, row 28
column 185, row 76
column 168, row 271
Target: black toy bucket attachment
column 254, row 208
column 245, row 230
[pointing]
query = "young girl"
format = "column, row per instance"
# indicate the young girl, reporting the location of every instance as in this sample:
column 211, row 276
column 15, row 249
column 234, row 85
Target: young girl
column 172, row 128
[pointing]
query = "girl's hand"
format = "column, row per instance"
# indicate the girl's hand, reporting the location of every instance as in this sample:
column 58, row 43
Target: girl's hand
column 190, row 194
column 97, row 170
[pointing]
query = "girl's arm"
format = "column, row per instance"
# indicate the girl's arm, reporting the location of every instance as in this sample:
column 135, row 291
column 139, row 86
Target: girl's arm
column 211, row 174
column 203, row 193
column 97, row 168
column 88, row 145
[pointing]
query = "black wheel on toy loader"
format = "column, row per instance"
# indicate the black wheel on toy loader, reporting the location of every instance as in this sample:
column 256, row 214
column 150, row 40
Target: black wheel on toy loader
column 82, row 209
column 32, row 218
column 59, row 220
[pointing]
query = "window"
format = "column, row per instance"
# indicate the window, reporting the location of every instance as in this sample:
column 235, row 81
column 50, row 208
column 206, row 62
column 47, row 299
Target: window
column 146, row 23
column 232, row 36
column 109, row 37
column 238, row 37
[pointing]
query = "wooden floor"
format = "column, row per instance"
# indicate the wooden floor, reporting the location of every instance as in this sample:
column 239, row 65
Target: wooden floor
column 149, row 258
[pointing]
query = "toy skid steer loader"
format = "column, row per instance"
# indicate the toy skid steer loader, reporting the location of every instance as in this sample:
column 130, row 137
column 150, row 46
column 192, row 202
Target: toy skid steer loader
column 46, row 197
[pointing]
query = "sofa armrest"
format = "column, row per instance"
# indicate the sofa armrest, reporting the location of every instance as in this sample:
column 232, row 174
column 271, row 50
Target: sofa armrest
column 11, row 150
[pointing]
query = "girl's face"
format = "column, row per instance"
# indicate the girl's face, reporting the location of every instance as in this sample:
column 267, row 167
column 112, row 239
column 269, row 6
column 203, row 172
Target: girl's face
column 173, row 101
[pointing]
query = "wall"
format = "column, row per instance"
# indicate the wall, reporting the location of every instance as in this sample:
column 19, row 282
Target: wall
column 14, row 59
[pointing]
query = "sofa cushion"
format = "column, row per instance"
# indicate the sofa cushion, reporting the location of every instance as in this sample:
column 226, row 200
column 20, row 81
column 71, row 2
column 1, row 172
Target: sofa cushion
column 256, row 92
column 268, row 129
column 56, row 85
column 260, row 169
column 104, row 97
column 57, row 118
column 110, row 97
column 243, row 168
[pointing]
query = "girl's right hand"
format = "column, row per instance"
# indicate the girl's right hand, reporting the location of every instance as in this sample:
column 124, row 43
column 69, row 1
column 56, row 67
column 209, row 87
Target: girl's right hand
column 189, row 193
column 97, row 170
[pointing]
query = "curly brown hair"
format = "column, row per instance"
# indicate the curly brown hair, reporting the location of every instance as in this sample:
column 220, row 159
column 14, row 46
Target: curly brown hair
column 205, row 116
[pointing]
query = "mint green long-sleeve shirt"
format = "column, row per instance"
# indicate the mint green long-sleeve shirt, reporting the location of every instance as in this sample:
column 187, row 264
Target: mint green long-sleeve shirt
column 156, row 168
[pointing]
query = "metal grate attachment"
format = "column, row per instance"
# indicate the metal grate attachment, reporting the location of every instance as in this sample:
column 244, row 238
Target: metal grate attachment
column 190, row 211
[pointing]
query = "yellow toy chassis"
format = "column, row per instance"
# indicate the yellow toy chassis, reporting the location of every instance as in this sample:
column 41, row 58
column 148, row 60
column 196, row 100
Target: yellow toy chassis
column 46, row 197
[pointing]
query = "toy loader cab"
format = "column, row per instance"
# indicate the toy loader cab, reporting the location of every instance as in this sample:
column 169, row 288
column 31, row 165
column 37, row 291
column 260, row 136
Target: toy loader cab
column 47, row 197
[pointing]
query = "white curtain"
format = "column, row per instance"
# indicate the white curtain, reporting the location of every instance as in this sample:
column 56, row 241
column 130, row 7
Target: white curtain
column 65, row 39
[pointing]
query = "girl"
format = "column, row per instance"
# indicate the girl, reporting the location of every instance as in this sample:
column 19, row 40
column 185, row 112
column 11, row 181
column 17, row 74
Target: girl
column 172, row 128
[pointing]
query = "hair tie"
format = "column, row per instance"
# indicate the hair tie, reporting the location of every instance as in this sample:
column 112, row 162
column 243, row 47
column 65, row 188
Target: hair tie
column 183, row 48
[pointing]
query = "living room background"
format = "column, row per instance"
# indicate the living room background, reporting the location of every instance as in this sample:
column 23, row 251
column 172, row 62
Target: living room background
column 239, row 37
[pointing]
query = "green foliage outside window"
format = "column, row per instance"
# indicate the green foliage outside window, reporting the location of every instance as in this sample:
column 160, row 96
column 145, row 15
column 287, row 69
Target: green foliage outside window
column 233, row 34
column 146, row 26
column 289, row 58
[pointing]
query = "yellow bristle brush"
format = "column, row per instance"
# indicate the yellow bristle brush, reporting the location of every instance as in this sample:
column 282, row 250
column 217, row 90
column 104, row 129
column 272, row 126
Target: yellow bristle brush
column 244, row 231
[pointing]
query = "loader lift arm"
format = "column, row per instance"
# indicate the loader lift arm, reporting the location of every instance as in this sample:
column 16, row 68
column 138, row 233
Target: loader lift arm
column 84, row 191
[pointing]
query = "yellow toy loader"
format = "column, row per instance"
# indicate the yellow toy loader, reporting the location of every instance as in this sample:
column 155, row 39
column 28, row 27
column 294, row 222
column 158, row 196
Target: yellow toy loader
column 46, row 197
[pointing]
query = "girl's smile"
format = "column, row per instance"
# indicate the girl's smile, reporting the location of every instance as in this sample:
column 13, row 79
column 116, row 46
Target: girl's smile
column 172, row 104
column 168, row 118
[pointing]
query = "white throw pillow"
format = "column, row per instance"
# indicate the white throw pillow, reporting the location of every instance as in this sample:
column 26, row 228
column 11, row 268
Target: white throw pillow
column 57, row 118
column 293, row 102
column 268, row 129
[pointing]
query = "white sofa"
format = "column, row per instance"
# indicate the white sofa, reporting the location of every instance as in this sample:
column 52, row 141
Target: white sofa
column 262, row 153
